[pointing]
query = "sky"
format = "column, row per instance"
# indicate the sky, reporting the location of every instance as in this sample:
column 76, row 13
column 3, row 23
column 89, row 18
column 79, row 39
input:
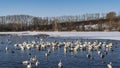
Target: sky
column 49, row 8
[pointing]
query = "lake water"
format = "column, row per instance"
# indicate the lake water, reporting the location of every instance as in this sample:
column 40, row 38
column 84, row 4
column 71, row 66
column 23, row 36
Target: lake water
column 13, row 58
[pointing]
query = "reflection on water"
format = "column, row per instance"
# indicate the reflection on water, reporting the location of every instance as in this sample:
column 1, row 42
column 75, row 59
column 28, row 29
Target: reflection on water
column 73, row 52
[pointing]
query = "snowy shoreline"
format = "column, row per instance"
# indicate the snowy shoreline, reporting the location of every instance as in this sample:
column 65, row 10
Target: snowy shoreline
column 89, row 35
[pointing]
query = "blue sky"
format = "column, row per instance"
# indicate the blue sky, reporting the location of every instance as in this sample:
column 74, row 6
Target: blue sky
column 50, row 8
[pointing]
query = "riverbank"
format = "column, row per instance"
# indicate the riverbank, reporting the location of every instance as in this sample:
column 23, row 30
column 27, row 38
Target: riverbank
column 90, row 35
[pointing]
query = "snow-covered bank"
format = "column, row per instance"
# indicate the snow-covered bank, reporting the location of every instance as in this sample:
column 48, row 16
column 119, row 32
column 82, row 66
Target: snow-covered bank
column 93, row 35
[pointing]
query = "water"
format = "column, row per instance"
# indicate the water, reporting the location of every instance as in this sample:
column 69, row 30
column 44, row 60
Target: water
column 13, row 58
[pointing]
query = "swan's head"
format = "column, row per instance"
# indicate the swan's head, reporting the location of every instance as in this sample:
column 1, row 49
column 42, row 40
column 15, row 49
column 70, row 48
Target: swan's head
column 110, row 62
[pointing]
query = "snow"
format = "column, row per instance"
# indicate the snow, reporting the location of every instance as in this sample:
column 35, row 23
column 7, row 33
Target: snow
column 90, row 35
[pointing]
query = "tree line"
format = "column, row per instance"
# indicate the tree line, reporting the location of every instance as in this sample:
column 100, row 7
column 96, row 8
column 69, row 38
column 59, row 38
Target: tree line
column 30, row 23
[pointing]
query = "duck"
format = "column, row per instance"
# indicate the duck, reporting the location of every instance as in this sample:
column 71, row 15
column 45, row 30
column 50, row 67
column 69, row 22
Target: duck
column 88, row 56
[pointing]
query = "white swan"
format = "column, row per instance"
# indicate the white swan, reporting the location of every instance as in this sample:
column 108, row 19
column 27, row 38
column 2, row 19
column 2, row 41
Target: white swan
column 29, row 65
column 48, row 51
column 109, row 65
column 33, row 59
column 6, row 48
column 37, row 63
column 25, row 62
column 60, row 65
column 99, row 52
column 46, row 54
